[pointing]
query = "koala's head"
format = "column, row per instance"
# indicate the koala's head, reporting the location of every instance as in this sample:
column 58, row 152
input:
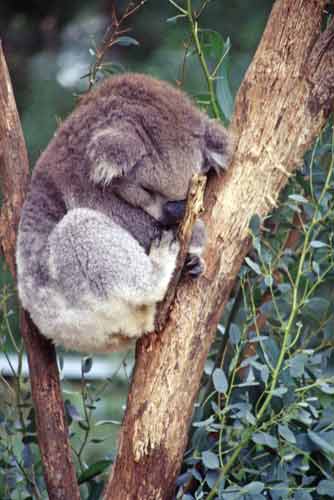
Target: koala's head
column 154, row 136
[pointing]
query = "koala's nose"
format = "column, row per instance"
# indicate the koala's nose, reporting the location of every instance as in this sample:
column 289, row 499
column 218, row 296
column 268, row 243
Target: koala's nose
column 173, row 212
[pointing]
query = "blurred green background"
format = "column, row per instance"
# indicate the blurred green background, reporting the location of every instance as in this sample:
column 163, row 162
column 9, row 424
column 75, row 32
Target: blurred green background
column 47, row 45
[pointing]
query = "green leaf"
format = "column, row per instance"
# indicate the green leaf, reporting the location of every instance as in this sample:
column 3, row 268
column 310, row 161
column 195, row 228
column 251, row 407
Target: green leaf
column 107, row 422
column 318, row 244
column 298, row 198
column 210, row 460
column 279, row 391
column 326, row 487
column 253, row 265
column 286, row 433
column 318, row 306
column 297, row 365
column 219, row 380
column 302, row 495
column 231, row 493
column 126, row 41
column 234, row 334
column 223, row 90
column 94, row 470
column 326, row 388
column 254, row 488
column 265, row 439
column 174, row 19
column 316, row 267
column 321, row 442
column 269, row 281
column 255, row 225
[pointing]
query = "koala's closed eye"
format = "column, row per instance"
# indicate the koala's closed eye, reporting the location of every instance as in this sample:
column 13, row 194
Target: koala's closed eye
column 95, row 251
column 218, row 147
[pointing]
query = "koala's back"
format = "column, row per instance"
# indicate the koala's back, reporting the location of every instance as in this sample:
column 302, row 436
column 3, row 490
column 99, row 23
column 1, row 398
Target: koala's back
column 55, row 264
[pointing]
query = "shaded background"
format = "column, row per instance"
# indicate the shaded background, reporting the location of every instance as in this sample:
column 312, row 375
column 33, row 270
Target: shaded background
column 47, row 45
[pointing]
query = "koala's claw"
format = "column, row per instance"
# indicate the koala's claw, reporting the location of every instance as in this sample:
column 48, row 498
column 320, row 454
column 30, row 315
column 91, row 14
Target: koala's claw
column 194, row 265
column 168, row 238
column 166, row 244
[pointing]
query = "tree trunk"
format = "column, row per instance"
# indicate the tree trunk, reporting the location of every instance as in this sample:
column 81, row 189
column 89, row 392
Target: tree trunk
column 281, row 107
column 52, row 431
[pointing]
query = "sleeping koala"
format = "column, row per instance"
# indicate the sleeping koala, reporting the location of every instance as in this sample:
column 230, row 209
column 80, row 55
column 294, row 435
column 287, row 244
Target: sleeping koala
column 96, row 244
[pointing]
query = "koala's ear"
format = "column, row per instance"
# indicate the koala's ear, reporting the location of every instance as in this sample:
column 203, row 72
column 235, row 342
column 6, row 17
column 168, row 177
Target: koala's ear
column 219, row 147
column 113, row 153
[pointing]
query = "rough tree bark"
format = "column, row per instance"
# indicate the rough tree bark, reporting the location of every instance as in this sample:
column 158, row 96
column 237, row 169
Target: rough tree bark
column 52, row 428
column 281, row 107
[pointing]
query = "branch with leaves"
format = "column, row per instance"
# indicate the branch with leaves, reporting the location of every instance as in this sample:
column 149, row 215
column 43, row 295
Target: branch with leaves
column 115, row 34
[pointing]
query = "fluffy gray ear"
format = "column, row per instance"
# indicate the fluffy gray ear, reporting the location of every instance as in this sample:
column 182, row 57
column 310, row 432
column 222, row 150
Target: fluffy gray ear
column 218, row 147
column 113, row 153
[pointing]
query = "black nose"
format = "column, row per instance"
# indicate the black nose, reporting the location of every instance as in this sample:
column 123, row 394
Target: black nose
column 173, row 212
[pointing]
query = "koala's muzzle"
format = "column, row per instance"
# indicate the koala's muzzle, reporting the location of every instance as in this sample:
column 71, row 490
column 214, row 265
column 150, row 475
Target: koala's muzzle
column 173, row 212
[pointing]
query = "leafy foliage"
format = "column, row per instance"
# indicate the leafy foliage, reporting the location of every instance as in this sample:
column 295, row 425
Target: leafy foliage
column 268, row 424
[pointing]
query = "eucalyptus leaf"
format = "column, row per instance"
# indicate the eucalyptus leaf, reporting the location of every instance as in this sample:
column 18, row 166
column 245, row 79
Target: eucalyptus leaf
column 298, row 198
column 234, row 334
column 255, row 225
column 126, row 41
column 318, row 244
column 326, row 487
column 286, row 433
column 326, row 388
column 302, row 495
column 210, row 460
column 253, row 265
column 321, row 442
column 223, row 90
column 94, row 470
column 219, row 380
column 265, row 439
column 297, row 365
column 254, row 488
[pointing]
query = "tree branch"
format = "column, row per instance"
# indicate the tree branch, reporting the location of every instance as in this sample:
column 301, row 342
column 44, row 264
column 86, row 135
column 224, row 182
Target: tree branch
column 279, row 112
column 52, row 428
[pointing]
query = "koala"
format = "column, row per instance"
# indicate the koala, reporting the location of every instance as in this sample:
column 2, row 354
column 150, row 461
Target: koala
column 97, row 242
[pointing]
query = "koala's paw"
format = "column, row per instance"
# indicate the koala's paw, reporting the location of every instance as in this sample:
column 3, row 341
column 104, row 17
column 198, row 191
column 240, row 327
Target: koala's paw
column 198, row 238
column 164, row 247
column 194, row 265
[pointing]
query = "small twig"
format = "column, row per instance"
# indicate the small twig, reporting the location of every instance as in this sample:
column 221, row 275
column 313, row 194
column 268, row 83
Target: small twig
column 193, row 21
column 111, row 37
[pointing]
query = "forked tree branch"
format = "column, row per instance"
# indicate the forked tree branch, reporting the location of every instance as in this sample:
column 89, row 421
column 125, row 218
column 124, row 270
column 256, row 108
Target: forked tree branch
column 281, row 107
column 52, row 431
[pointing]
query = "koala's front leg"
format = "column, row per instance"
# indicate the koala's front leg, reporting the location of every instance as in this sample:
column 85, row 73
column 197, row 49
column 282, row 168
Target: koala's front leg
column 173, row 213
column 195, row 265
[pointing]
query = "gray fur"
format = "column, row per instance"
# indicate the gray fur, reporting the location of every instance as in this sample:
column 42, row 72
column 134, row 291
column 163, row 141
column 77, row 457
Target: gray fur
column 93, row 255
